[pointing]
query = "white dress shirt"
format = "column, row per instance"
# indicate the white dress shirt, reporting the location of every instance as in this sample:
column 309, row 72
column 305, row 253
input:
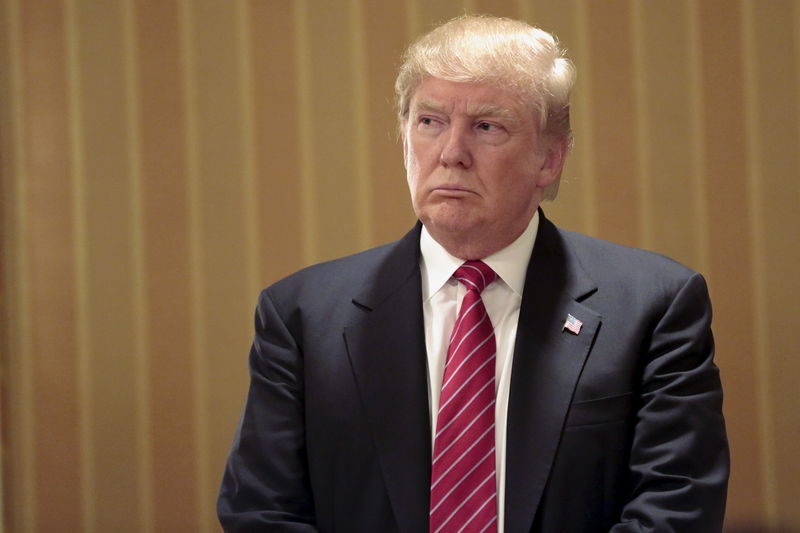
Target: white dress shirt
column 441, row 299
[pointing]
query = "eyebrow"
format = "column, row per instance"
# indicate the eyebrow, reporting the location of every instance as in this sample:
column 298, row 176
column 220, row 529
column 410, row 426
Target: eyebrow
column 489, row 110
column 428, row 105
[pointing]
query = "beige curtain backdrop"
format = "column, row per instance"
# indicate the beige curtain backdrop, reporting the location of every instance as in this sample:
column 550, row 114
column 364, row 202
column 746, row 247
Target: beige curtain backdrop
column 163, row 160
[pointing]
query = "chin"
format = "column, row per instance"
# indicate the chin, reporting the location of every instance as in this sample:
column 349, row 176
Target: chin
column 450, row 224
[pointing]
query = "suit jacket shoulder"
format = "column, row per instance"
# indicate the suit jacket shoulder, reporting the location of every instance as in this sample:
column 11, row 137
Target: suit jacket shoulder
column 368, row 277
column 607, row 260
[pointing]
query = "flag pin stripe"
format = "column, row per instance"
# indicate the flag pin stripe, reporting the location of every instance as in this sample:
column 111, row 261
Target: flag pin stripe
column 572, row 324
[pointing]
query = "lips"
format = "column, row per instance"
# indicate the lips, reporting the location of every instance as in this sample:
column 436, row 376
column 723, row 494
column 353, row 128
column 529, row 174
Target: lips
column 452, row 191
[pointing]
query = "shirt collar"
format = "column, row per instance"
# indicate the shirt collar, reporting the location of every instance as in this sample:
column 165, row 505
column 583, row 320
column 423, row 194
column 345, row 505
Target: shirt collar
column 510, row 263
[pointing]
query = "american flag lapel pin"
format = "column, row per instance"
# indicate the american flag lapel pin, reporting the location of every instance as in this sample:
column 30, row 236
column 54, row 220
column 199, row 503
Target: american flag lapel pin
column 572, row 324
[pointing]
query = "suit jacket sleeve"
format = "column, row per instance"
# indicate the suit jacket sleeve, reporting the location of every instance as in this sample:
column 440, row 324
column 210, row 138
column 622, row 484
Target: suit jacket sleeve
column 679, row 455
column 266, row 485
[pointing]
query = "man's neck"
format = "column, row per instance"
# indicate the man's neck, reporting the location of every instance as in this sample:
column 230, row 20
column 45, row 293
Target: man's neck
column 472, row 247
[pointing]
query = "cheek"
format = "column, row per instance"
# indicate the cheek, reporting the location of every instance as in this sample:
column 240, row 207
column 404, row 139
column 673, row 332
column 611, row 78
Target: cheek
column 412, row 173
column 412, row 167
column 515, row 182
column 417, row 163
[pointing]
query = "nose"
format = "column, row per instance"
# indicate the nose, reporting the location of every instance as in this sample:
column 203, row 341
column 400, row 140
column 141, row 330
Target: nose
column 456, row 150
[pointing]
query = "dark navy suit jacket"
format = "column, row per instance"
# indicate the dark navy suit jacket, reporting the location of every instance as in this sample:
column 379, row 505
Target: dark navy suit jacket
column 617, row 428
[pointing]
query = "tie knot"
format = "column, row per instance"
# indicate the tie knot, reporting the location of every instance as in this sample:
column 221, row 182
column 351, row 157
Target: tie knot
column 475, row 275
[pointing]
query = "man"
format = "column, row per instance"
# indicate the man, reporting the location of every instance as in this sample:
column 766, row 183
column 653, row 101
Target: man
column 488, row 371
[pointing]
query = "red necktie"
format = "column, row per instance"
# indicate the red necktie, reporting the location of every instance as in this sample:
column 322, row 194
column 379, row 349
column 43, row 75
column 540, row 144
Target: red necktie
column 463, row 486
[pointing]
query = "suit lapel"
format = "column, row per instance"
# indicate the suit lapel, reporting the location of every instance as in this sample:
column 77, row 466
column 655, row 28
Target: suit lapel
column 387, row 353
column 548, row 361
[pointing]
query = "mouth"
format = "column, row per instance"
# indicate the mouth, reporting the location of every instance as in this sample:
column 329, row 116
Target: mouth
column 452, row 191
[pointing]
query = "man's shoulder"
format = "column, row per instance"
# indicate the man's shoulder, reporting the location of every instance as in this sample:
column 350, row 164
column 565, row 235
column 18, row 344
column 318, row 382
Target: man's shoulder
column 339, row 269
column 639, row 282
column 354, row 270
column 605, row 260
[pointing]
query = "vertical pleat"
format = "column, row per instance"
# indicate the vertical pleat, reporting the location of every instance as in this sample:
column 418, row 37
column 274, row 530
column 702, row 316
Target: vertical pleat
column 164, row 219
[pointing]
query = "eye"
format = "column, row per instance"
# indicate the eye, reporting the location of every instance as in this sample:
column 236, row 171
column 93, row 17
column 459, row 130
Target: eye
column 487, row 126
column 428, row 124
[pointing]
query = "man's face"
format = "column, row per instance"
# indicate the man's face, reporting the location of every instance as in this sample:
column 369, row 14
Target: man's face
column 476, row 165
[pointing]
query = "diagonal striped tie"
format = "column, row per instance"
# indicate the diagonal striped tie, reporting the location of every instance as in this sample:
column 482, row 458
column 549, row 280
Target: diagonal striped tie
column 463, row 487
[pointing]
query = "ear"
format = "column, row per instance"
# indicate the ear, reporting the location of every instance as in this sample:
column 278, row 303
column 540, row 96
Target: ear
column 555, row 154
